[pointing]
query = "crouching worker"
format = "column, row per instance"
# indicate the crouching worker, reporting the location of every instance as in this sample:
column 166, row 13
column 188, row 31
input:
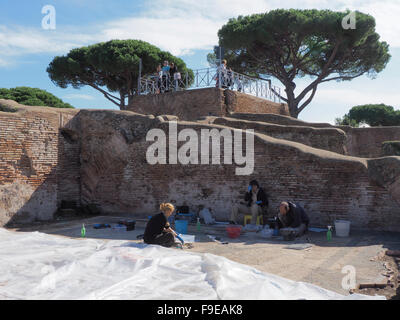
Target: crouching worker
column 255, row 200
column 158, row 230
column 293, row 216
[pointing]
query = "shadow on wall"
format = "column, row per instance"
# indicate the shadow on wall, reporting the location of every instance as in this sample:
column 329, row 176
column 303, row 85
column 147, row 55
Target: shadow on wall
column 22, row 203
column 41, row 167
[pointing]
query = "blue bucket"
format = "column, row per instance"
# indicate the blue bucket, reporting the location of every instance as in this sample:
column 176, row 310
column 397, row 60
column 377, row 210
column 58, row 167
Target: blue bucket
column 181, row 226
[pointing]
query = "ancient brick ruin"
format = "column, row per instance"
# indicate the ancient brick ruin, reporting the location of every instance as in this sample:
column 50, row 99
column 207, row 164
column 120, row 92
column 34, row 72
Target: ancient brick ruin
column 95, row 161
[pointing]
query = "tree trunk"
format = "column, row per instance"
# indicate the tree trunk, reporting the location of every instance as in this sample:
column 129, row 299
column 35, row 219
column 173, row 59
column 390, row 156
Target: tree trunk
column 292, row 103
column 122, row 104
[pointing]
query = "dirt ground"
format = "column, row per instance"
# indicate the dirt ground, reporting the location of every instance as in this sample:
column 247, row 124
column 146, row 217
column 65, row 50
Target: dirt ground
column 321, row 264
column 392, row 289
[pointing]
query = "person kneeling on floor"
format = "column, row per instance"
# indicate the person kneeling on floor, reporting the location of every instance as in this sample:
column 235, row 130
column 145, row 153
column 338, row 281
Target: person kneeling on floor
column 158, row 230
column 293, row 216
column 255, row 199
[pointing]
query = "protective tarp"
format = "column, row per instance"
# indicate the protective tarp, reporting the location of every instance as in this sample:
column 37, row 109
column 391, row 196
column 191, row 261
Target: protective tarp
column 40, row 266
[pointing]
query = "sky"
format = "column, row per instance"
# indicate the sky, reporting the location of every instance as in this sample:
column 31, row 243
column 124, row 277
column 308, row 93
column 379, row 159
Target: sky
column 186, row 28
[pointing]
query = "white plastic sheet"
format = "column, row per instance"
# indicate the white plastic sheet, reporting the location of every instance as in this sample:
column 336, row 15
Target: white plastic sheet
column 41, row 266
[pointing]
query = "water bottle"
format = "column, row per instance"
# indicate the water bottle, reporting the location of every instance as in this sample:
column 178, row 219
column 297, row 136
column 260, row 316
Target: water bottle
column 83, row 231
column 198, row 225
column 329, row 233
column 276, row 227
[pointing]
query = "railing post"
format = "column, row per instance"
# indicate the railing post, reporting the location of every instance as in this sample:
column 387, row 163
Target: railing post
column 256, row 88
column 205, row 77
column 219, row 77
column 139, row 77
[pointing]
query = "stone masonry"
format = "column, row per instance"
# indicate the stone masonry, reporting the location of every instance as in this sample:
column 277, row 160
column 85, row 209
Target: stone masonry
column 98, row 157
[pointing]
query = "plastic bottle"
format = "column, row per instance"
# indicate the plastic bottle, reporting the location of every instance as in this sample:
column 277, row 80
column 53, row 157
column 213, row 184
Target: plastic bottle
column 83, row 231
column 198, row 225
column 276, row 227
column 329, row 234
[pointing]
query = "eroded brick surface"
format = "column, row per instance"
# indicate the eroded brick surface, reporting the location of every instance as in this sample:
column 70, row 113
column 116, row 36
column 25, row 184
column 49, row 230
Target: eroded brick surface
column 29, row 160
column 99, row 158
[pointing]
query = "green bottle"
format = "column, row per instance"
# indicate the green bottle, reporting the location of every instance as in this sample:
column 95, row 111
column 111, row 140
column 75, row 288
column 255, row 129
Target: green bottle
column 198, row 225
column 83, row 231
column 329, row 234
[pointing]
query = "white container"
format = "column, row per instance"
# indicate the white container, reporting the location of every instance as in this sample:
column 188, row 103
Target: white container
column 187, row 238
column 342, row 228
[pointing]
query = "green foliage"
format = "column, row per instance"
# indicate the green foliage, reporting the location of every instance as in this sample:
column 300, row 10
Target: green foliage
column 112, row 66
column 33, row 97
column 289, row 44
column 212, row 60
column 375, row 115
column 346, row 121
column 372, row 114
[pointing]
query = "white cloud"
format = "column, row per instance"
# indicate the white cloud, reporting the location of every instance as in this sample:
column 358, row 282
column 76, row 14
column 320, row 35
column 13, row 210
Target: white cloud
column 352, row 97
column 22, row 40
column 179, row 35
column 179, row 26
column 78, row 96
column 4, row 63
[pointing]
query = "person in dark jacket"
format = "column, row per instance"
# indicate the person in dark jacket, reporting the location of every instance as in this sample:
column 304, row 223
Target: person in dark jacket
column 158, row 230
column 255, row 201
column 174, row 83
column 293, row 216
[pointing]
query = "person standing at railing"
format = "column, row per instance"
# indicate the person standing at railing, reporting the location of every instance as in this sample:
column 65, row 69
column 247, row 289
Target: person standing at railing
column 173, row 76
column 239, row 82
column 221, row 74
column 229, row 78
column 157, row 78
column 165, row 76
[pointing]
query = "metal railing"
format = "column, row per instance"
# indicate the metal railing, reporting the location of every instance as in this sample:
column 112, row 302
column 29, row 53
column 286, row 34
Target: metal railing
column 210, row 77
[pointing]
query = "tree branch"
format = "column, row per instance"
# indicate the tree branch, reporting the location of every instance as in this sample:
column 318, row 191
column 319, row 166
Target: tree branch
column 106, row 94
column 321, row 75
column 306, row 103
column 343, row 77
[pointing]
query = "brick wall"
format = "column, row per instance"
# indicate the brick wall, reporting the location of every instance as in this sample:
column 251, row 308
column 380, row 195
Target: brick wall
column 29, row 160
column 280, row 119
column 330, row 139
column 240, row 102
column 187, row 105
column 195, row 104
column 367, row 142
column 99, row 157
column 360, row 142
column 68, row 167
column 330, row 186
